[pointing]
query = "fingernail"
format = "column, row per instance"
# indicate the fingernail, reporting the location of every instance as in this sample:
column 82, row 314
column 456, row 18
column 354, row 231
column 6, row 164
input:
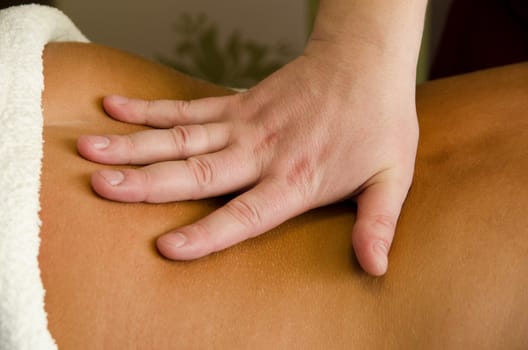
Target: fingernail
column 120, row 100
column 113, row 177
column 99, row 142
column 381, row 250
column 175, row 240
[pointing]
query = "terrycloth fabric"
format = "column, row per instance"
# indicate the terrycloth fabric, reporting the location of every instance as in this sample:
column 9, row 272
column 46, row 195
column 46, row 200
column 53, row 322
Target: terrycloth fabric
column 24, row 31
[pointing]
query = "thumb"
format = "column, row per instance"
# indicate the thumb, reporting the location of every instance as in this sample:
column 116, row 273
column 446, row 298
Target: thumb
column 379, row 207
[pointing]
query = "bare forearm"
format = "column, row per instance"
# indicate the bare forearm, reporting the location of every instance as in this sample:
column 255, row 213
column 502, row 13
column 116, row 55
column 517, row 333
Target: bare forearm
column 392, row 26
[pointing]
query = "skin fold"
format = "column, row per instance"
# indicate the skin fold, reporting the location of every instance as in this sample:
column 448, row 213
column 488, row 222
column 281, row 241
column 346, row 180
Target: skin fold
column 458, row 263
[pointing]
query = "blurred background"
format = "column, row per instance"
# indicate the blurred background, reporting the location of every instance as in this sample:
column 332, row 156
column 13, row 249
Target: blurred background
column 239, row 42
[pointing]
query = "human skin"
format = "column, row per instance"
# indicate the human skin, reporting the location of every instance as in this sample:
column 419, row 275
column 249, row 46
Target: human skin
column 335, row 123
column 459, row 261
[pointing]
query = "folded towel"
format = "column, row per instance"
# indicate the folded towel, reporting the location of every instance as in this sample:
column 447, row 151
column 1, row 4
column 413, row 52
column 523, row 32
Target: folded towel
column 24, row 31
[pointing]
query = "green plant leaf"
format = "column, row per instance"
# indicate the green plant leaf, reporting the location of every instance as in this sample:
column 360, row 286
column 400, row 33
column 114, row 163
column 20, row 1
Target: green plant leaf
column 233, row 48
column 238, row 62
column 210, row 60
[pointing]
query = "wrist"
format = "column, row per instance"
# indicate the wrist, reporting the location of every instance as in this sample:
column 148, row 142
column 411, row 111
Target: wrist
column 355, row 58
column 386, row 30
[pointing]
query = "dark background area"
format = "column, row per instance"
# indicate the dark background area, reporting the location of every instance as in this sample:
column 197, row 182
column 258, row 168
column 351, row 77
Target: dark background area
column 8, row 3
column 481, row 34
column 478, row 34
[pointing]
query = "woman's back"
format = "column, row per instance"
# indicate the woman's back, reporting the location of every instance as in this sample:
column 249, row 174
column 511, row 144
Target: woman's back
column 458, row 266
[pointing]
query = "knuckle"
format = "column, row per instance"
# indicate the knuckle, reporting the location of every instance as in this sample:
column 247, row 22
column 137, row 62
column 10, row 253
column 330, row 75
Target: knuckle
column 244, row 212
column 180, row 138
column 149, row 107
column 202, row 171
column 144, row 190
column 241, row 106
column 204, row 236
column 385, row 221
column 184, row 109
column 266, row 140
column 130, row 148
column 301, row 176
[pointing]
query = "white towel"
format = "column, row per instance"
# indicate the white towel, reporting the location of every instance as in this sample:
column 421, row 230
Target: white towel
column 24, row 31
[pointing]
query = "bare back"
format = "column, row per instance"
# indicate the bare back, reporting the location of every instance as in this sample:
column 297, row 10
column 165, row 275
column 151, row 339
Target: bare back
column 458, row 267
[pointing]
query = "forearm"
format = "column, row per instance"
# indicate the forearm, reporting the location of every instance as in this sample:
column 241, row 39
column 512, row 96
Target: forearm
column 391, row 27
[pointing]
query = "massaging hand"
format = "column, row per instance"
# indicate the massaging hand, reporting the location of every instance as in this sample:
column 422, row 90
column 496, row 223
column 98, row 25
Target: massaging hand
column 322, row 129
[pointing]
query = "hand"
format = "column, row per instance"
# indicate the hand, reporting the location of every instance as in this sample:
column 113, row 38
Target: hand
column 326, row 127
